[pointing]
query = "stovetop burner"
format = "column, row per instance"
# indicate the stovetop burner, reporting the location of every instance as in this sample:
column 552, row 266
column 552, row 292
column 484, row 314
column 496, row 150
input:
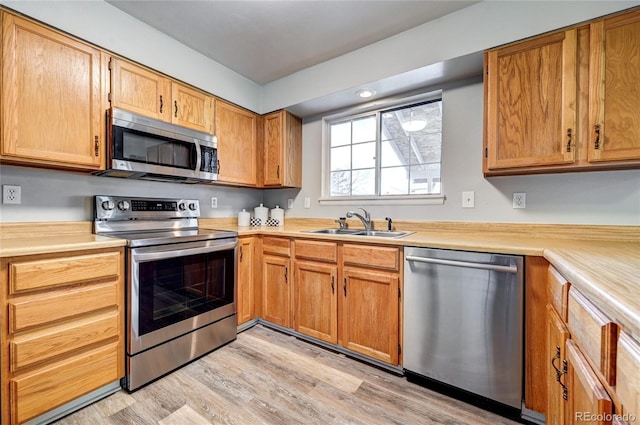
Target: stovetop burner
column 152, row 221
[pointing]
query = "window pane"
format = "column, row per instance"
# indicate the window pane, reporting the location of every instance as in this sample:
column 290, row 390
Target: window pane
column 341, row 134
column 341, row 158
column 363, row 182
column 394, row 181
column 425, row 179
column 364, row 155
column 394, row 152
column 426, row 148
column 364, row 129
column 341, row 183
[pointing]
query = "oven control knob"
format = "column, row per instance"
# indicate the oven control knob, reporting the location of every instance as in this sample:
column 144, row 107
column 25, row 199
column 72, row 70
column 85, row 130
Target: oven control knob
column 182, row 206
column 108, row 205
column 193, row 206
column 123, row 205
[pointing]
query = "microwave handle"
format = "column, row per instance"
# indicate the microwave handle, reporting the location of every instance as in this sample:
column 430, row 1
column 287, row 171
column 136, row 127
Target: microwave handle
column 198, row 156
column 172, row 252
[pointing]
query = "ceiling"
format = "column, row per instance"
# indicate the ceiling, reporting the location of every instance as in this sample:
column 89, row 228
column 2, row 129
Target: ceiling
column 270, row 39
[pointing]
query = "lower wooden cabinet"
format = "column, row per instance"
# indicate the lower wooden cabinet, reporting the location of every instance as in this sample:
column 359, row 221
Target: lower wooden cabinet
column 245, row 298
column 64, row 329
column 371, row 313
column 316, row 308
column 556, row 379
column 276, row 287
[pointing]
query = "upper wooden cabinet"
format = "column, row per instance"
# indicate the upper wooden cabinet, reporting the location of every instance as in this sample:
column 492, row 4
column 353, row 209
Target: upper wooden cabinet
column 51, row 98
column 145, row 92
column 530, row 102
column 614, row 96
column 565, row 101
column 236, row 130
column 282, row 165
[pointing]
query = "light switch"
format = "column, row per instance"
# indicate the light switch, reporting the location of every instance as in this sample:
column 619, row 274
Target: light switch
column 307, row 202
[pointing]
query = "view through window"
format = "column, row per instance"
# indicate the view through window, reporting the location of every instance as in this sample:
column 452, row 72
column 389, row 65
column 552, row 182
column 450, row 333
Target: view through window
column 387, row 152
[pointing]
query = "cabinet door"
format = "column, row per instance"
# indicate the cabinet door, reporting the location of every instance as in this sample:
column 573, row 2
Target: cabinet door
column 246, row 298
column 370, row 313
column 586, row 395
column 139, row 90
column 275, row 296
column 237, row 144
column 614, row 100
column 317, row 300
column 51, row 97
column 273, row 145
column 531, row 100
column 557, row 338
column 191, row 108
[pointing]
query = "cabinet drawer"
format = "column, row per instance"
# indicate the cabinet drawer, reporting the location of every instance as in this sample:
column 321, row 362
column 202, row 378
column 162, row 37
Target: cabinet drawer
column 37, row 346
column 628, row 375
column 317, row 250
column 32, row 275
column 558, row 292
column 34, row 394
column 595, row 333
column 278, row 246
column 60, row 305
column 380, row 257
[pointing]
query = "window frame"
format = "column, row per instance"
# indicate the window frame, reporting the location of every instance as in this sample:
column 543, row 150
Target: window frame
column 375, row 109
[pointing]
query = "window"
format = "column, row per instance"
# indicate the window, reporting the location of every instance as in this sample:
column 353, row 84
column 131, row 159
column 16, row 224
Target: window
column 393, row 152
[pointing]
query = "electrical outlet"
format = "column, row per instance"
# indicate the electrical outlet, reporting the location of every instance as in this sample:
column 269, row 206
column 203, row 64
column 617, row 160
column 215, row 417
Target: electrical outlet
column 468, row 200
column 11, row 194
column 519, row 200
column 289, row 203
column 214, row 202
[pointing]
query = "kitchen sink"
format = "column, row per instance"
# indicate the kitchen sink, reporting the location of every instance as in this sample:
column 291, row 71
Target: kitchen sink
column 357, row 232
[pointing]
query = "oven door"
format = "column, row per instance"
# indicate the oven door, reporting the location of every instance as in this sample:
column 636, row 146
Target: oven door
column 177, row 288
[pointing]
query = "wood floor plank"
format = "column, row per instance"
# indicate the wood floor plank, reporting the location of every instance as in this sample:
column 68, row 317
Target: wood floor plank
column 266, row 377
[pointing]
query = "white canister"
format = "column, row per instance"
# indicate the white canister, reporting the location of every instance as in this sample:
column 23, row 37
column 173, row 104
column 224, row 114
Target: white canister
column 243, row 218
column 278, row 214
column 262, row 213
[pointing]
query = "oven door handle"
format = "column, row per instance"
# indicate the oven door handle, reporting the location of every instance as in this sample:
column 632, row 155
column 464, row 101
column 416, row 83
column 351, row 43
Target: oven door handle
column 172, row 251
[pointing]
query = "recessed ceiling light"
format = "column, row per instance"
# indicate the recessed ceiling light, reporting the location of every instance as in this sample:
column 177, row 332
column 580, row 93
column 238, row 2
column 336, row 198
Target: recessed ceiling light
column 365, row 93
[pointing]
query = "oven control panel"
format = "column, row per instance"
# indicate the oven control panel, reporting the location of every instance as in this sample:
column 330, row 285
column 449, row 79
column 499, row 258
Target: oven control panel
column 129, row 208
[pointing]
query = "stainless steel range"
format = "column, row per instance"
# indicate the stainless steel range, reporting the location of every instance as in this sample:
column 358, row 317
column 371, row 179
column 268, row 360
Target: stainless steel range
column 180, row 282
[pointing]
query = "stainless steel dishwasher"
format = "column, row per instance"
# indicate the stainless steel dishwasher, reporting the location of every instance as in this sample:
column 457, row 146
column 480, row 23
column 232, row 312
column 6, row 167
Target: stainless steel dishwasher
column 463, row 321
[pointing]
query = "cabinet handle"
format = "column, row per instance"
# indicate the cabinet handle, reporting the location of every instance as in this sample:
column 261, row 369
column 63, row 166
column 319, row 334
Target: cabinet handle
column 96, row 146
column 241, row 253
column 333, row 287
column 286, row 275
column 161, row 104
column 278, row 171
column 568, row 140
column 175, row 104
column 344, row 286
column 596, row 144
column 218, row 166
column 560, row 372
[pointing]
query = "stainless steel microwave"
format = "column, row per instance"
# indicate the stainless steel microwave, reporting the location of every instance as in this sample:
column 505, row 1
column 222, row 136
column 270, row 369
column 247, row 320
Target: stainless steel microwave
column 149, row 149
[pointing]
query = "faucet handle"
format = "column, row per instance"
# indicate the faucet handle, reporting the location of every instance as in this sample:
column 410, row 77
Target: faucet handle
column 342, row 221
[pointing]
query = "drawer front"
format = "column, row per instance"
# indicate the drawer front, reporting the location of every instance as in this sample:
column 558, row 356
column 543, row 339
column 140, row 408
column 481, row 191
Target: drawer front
column 380, row 257
column 34, row 394
column 595, row 333
column 60, row 305
column 32, row 275
column 558, row 292
column 278, row 246
column 317, row 250
column 628, row 375
column 37, row 346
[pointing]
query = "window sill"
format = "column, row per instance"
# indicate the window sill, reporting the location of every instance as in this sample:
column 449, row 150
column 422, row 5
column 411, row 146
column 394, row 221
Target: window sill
column 390, row 200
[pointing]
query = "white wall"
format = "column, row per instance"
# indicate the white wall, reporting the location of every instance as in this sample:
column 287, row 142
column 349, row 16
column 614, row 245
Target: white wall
column 603, row 197
column 49, row 195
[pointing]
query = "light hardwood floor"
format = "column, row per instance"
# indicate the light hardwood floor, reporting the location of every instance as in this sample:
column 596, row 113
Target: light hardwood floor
column 266, row 377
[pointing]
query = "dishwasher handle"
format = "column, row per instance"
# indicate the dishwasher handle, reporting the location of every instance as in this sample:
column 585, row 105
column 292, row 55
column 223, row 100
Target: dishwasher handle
column 455, row 263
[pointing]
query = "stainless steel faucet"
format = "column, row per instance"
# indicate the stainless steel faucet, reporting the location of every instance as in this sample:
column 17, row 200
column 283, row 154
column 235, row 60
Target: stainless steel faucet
column 366, row 220
column 342, row 221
